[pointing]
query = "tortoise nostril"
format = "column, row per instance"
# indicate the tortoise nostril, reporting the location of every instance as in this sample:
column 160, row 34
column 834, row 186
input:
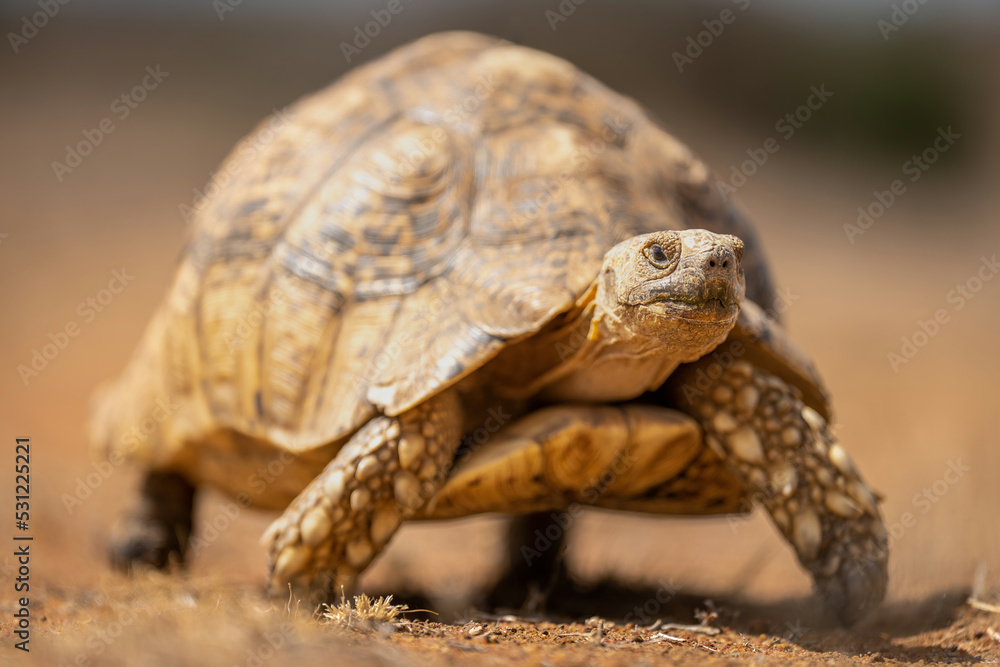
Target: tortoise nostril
column 725, row 264
column 711, row 263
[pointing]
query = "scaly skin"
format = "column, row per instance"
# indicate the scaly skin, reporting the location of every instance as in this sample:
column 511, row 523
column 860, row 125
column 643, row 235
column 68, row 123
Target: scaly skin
column 346, row 515
column 789, row 462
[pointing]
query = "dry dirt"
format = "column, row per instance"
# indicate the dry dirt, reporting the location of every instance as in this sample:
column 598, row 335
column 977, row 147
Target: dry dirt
column 850, row 305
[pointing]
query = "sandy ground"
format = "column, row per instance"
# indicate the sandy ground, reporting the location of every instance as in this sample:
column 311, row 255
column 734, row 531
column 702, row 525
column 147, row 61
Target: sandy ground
column 850, row 306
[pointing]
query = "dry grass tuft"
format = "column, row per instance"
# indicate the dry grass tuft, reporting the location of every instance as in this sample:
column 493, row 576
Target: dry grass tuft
column 365, row 614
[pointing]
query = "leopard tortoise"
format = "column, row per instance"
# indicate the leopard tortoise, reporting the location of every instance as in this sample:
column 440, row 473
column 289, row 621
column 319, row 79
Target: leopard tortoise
column 469, row 278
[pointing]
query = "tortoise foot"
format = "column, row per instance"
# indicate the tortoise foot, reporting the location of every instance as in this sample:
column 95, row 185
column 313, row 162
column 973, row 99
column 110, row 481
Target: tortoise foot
column 159, row 530
column 857, row 586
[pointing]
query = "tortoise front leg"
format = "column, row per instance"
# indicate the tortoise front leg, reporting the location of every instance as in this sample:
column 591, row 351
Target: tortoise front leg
column 387, row 471
column 790, row 463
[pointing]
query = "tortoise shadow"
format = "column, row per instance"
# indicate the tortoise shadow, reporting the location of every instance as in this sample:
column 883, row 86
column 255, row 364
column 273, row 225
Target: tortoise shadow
column 800, row 621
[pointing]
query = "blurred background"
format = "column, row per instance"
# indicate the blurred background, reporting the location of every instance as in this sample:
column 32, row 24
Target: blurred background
column 724, row 77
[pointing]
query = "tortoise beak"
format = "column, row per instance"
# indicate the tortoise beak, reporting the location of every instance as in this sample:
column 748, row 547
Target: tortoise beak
column 690, row 294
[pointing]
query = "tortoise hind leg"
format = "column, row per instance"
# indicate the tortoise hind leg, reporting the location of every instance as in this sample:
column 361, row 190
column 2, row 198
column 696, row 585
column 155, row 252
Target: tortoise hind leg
column 159, row 529
column 536, row 546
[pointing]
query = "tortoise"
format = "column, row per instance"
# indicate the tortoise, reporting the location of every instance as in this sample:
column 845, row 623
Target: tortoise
column 469, row 278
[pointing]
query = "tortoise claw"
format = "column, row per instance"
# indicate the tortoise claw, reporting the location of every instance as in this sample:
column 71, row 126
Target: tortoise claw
column 857, row 587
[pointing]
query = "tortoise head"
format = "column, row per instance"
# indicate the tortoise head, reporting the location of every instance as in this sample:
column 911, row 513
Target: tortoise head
column 682, row 287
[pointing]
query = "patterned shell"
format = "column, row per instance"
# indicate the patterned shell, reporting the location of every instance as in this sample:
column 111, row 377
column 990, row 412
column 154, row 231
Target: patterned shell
column 387, row 236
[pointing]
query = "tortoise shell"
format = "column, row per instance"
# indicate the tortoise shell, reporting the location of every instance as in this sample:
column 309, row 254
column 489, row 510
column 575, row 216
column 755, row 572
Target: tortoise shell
column 383, row 238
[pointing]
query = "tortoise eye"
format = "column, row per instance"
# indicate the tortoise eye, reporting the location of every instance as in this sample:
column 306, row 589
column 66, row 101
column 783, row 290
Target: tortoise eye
column 658, row 257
